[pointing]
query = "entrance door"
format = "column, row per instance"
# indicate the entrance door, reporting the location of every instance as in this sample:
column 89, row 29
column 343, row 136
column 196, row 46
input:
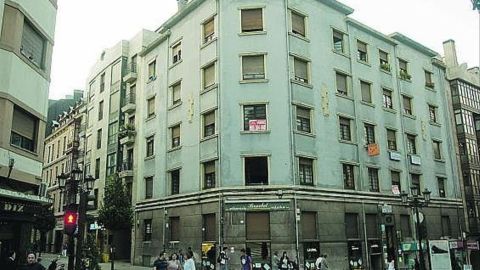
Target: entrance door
column 58, row 241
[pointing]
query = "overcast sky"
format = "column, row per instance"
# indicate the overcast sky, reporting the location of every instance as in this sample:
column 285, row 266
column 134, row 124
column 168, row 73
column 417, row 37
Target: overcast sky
column 84, row 28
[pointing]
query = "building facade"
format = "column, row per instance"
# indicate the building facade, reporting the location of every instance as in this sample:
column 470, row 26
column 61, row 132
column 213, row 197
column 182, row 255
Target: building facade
column 57, row 107
column 465, row 89
column 303, row 146
column 64, row 150
column 26, row 43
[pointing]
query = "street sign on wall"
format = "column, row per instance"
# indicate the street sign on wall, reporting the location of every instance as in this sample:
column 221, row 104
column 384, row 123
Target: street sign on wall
column 472, row 245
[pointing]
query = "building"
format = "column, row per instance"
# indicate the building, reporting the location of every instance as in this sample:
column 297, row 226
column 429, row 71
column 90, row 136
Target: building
column 465, row 90
column 26, row 43
column 303, row 146
column 57, row 107
column 64, row 150
column 107, row 117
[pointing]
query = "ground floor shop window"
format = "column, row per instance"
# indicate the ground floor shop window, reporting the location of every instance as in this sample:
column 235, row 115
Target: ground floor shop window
column 261, row 254
column 355, row 259
column 311, row 251
column 209, row 250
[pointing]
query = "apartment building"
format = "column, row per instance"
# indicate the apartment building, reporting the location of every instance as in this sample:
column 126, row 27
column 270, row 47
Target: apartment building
column 64, row 150
column 110, row 113
column 465, row 90
column 26, row 43
column 287, row 125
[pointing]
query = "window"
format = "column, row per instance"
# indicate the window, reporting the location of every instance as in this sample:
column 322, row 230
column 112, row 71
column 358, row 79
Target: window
column 301, row 70
column 150, row 146
column 149, row 187
column 210, row 226
column 133, row 64
column 407, row 105
column 403, row 65
column 150, row 107
column 338, row 41
column 366, row 92
column 373, row 179
column 348, row 176
column 309, row 225
column 362, row 51
column 253, row 67
column 252, row 20
column 441, row 187
column 97, row 168
column 391, row 140
column 387, row 99
column 446, row 228
column 345, row 133
column 33, row 45
column 305, row 171
column 209, row 124
column 369, row 133
column 112, row 133
column 209, row 174
column 176, row 93
column 351, row 226
column 432, row 111
column 405, row 226
column 176, row 53
column 437, row 149
column 174, row 228
column 175, row 136
column 208, row 30
column 384, row 64
column 396, row 185
column 255, row 117
column 24, row 130
column 151, row 70
column 147, row 230
column 428, row 79
column 102, row 82
column 303, row 119
column 416, row 181
column 208, row 76
column 411, row 145
column 342, row 84
column 175, row 182
column 298, row 24
column 256, row 170
column 371, row 226
column 99, row 138
column 95, row 201
column 111, row 164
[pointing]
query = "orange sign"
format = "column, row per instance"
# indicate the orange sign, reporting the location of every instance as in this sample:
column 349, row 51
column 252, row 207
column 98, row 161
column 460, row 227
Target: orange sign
column 373, row 149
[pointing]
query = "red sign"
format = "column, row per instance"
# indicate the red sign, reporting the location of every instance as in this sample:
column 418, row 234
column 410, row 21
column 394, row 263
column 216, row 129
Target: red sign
column 373, row 149
column 257, row 125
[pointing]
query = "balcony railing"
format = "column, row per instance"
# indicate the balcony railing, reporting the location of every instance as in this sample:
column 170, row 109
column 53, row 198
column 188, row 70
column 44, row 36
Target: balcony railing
column 128, row 105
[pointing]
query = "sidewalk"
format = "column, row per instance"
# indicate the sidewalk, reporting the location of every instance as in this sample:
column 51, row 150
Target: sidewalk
column 119, row 265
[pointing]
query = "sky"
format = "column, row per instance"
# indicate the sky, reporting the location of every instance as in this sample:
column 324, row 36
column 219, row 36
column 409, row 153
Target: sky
column 84, row 28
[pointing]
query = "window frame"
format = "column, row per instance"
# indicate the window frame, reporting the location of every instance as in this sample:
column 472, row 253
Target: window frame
column 391, row 144
column 175, row 141
column 364, row 98
column 253, row 30
column 205, row 127
column 148, row 187
column 348, row 175
column 369, row 133
column 347, row 91
column 206, row 177
column 305, row 164
column 303, row 124
column 176, row 99
column 437, row 149
column 411, row 144
column 261, row 76
column 266, row 117
column 433, row 113
column 206, row 67
column 152, row 70
column 442, row 192
column 361, row 53
column 298, row 78
column 373, row 179
column 175, row 176
column 343, row 127
column 407, row 110
column 387, row 98
column 150, row 146
column 207, row 38
column 244, row 161
column 147, row 230
column 343, row 39
column 176, row 49
column 304, row 17
column 151, row 105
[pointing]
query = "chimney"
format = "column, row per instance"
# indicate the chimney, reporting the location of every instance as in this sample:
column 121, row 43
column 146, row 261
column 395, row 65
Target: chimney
column 181, row 4
column 450, row 53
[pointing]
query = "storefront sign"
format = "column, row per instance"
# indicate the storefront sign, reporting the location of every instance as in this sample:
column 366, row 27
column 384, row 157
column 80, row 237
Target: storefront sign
column 279, row 205
column 440, row 254
column 472, row 245
column 12, row 207
column 412, row 246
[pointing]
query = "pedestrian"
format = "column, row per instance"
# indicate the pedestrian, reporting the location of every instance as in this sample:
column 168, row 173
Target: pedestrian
column 223, row 259
column 64, row 249
column 189, row 263
column 275, row 260
column 391, row 265
column 318, row 262
column 32, row 263
column 323, row 263
column 161, row 262
column 9, row 263
column 174, row 262
column 284, row 261
column 246, row 260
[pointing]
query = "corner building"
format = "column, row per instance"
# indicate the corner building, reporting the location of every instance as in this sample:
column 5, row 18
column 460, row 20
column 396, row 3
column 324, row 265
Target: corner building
column 286, row 125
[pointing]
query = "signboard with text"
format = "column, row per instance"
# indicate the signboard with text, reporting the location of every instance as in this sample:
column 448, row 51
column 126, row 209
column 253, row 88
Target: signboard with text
column 280, row 205
column 257, row 125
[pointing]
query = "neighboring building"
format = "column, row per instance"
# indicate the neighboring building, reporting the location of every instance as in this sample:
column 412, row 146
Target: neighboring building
column 107, row 93
column 286, row 125
column 57, row 107
column 26, row 43
column 64, row 150
column 465, row 89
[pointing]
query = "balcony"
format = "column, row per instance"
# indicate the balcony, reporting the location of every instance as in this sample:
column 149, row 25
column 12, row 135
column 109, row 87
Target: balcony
column 126, row 169
column 131, row 75
column 127, row 135
column 128, row 105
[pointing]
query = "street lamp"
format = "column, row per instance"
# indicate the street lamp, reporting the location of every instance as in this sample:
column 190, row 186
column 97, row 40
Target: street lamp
column 415, row 202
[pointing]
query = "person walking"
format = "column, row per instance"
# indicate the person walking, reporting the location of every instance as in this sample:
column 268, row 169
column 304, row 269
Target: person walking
column 9, row 263
column 275, row 261
column 245, row 260
column 189, row 263
column 161, row 262
column 32, row 263
column 391, row 265
column 323, row 263
column 64, row 249
column 174, row 262
column 223, row 259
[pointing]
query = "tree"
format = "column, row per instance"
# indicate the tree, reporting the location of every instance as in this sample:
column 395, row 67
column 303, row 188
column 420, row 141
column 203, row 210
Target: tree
column 91, row 252
column 116, row 212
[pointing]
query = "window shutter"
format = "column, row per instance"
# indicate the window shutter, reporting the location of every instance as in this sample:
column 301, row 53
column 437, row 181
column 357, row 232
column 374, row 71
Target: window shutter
column 208, row 76
column 301, row 68
column 176, row 132
column 209, row 119
column 253, row 65
column 24, row 124
column 341, row 82
column 209, row 167
column 383, row 56
column 33, row 44
column 309, row 225
column 174, row 229
column 209, row 224
column 298, row 24
column 208, row 28
column 258, row 226
column 252, row 20
column 302, row 112
column 362, row 46
column 372, row 227
column 176, row 48
column 403, row 65
column 366, row 95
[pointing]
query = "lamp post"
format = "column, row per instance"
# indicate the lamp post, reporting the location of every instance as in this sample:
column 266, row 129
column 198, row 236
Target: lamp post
column 76, row 183
column 415, row 202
